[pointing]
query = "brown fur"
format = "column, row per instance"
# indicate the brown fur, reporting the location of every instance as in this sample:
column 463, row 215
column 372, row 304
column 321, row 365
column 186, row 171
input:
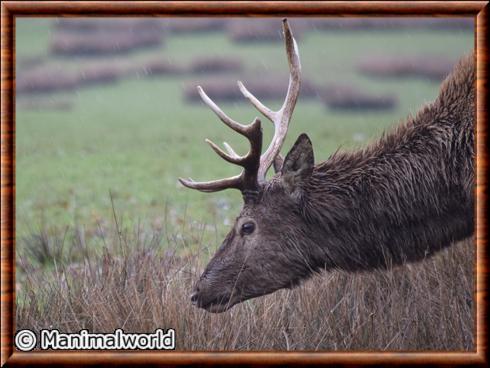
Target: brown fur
column 398, row 200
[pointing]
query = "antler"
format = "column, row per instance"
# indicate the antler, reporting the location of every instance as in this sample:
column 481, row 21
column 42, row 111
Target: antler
column 255, row 165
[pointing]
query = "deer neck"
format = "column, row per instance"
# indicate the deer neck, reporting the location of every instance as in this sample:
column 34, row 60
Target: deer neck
column 399, row 200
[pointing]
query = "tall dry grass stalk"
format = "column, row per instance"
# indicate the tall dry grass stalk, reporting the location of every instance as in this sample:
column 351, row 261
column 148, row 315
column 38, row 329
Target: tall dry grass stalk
column 136, row 284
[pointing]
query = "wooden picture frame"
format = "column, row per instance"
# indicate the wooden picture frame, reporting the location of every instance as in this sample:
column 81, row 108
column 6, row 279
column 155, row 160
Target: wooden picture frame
column 10, row 10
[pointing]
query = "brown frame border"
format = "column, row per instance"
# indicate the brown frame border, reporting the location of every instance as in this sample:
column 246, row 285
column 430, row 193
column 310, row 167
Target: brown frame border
column 12, row 9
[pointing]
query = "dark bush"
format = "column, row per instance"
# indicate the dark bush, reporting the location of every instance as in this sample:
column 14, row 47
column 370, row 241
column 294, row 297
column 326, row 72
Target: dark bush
column 264, row 89
column 190, row 25
column 50, row 78
column 260, row 30
column 216, row 65
column 26, row 63
column 430, row 67
column 101, row 73
column 349, row 24
column 159, row 67
column 87, row 25
column 343, row 97
column 102, row 43
column 46, row 79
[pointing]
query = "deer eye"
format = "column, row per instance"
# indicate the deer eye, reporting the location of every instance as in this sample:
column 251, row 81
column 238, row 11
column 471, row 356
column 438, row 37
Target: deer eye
column 248, row 228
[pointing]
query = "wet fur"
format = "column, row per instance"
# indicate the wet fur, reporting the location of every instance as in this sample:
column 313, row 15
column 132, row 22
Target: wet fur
column 402, row 198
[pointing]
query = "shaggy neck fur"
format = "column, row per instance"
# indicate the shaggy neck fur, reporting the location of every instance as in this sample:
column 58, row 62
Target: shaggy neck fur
column 404, row 197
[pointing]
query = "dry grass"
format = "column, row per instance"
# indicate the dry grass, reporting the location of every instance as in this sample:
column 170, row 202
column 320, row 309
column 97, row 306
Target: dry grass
column 136, row 284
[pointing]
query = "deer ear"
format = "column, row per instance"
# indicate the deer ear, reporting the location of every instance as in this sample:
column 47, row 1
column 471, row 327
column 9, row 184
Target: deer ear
column 298, row 165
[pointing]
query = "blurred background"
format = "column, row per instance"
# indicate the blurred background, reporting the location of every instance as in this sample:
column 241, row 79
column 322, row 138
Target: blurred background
column 108, row 116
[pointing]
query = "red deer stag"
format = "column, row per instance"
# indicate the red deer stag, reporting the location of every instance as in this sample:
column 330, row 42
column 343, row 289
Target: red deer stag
column 398, row 200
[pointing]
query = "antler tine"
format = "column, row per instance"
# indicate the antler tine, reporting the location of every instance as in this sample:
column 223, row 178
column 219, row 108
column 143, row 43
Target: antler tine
column 214, row 185
column 230, row 150
column 264, row 110
column 237, row 160
column 294, row 69
column 279, row 118
column 239, row 128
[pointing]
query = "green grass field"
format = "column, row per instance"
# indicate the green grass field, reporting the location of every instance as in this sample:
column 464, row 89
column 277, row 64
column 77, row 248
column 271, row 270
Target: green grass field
column 135, row 137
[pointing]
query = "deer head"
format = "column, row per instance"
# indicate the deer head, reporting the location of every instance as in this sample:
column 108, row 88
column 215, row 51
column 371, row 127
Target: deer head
column 253, row 259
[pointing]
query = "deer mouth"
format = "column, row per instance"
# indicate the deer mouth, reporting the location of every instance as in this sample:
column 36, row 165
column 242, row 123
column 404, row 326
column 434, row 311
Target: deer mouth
column 218, row 308
column 217, row 305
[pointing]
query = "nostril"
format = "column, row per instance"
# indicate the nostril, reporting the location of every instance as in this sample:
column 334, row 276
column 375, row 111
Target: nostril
column 194, row 297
